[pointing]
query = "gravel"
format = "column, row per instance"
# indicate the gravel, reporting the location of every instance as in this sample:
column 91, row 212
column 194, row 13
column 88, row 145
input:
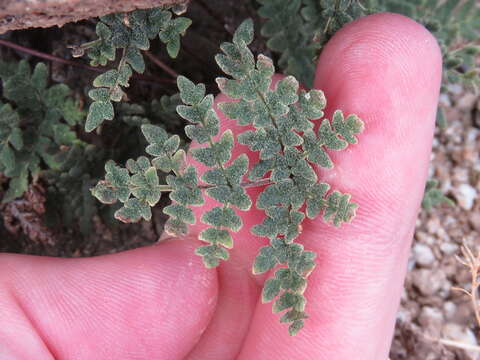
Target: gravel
column 430, row 311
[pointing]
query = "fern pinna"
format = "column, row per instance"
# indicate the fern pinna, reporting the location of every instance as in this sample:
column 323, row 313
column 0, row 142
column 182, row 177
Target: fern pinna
column 280, row 127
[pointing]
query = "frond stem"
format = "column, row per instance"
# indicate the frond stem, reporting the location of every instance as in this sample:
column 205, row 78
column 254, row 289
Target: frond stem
column 246, row 184
column 90, row 44
column 121, row 64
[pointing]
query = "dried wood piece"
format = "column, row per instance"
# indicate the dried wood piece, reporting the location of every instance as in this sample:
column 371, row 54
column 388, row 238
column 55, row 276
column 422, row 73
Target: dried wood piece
column 25, row 215
column 22, row 14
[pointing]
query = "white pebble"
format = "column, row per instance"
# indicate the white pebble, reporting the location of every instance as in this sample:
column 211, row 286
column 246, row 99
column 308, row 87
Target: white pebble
column 449, row 248
column 423, row 255
column 465, row 195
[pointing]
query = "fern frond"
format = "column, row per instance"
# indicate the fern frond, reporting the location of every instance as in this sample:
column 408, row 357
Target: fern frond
column 130, row 32
column 280, row 122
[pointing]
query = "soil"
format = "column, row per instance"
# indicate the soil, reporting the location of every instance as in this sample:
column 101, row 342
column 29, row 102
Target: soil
column 431, row 310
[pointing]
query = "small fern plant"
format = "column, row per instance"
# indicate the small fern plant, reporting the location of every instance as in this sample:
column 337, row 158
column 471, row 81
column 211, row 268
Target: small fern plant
column 280, row 127
column 37, row 124
column 298, row 30
column 130, row 32
column 433, row 196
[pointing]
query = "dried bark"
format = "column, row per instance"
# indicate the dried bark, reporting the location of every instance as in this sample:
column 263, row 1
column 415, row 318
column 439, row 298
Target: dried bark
column 25, row 214
column 22, row 14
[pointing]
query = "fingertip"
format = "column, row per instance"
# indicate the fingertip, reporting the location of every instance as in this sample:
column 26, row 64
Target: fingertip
column 387, row 69
column 372, row 40
column 390, row 53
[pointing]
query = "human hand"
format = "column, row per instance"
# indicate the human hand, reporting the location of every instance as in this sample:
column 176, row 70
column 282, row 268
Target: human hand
column 160, row 302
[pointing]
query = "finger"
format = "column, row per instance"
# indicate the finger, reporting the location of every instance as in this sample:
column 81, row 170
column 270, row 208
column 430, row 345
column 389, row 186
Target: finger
column 386, row 68
column 149, row 303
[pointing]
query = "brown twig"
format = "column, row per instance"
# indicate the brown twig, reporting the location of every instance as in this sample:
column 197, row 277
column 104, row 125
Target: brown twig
column 140, row 77
column 161, row 64
column 472, row 262
column 445, row 342
column 455, row 344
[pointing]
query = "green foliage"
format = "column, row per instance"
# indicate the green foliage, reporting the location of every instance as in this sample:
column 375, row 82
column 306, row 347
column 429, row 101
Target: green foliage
column 36, row 125
column 434, row 196
column 298, row 29
column 131, row 33
column 157, row 111
column 284, row 124
column 136, row 186
column 69, row 187
column 280, row 123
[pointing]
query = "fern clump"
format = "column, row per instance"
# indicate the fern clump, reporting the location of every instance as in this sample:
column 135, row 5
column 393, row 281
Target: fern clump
column 36, row 125
column 280, row 126
column 69, row 193
column 130, row 32
column 298, row 29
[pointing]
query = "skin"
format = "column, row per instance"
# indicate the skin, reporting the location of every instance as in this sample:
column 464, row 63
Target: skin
column 159, row 302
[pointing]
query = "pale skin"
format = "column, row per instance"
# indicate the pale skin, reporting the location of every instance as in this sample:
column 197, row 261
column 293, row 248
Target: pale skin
column 160, row 302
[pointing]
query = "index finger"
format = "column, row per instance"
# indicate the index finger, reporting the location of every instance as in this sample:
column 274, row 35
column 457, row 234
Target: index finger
column 387, row 69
